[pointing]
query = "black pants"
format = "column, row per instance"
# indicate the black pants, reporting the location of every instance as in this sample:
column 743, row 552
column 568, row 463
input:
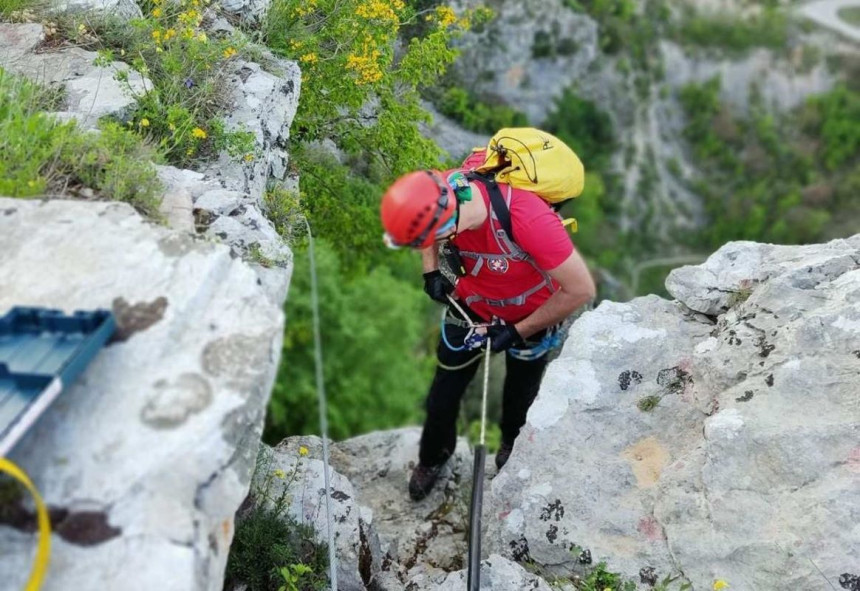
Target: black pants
column 522, row 382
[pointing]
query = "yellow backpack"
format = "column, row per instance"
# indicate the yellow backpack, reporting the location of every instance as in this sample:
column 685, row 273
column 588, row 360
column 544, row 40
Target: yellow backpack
column 531, row 159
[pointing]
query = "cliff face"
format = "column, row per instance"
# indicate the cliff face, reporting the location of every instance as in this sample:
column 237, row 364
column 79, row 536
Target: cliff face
column 502, row 62
column 710, row 437
column 714, row 436
column 144, row 461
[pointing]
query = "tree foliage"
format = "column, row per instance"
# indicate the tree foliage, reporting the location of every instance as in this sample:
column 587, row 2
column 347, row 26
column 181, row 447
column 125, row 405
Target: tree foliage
column 770, row 177
column 374, row 340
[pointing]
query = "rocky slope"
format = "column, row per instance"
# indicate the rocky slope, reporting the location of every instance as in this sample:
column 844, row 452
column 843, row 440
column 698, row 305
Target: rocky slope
column 498, row 63
column 144, row 461
column 710, row 437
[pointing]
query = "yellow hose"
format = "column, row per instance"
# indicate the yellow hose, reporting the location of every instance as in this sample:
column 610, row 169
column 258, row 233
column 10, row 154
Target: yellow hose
column 43, row 551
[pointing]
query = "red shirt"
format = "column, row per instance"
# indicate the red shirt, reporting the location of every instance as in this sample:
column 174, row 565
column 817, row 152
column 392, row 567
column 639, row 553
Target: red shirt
column 538, row 231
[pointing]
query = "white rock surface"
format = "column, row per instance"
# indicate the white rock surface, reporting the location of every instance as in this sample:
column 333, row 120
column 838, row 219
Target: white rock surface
column 497, row 574
column 124, row 9
column 747, row 467
column 91, row 91
column 151, row 451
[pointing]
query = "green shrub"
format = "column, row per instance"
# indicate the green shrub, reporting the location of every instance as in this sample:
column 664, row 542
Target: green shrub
column 38, row 154
column 838, row 118
column 270, row 550
column 736, row 33
column 851, row 15
column 757, row 173
column 475, row 115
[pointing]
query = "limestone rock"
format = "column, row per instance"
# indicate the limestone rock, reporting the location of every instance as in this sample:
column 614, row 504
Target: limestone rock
column 124, row 9
column 247, row 10
column 304, row 486
column 264, row 102
column 431, row 532
column 151, row 451
column 497, row 574
column 721, row 450
column 734, row 271
column 501, row 56
column 91, row 91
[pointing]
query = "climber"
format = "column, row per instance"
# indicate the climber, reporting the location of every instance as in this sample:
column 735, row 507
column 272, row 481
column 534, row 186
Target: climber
column 517, row 292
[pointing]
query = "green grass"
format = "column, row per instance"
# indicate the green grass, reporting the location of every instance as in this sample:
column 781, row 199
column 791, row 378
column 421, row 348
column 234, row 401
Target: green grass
column 7, row 7
column 850, row 14
column 40, row 155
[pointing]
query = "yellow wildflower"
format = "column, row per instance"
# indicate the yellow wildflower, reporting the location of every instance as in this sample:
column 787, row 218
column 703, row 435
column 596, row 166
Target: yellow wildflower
column 144, row 122
column 199, row 133
column 379, row 9
column 229, row 52
column 280, row 474
column 156, row 12
column 249, row 157
column 169, row 34
column 202, row 37
column 82, row 28
column 156, row 34
column 309, row 58
column 303, row 451
column 720, row 584
column 446, row 15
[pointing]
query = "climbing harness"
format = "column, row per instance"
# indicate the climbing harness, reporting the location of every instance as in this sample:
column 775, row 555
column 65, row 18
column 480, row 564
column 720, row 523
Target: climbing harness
column 474, row 578
column 43, row 550
column 553, row 339
column 473, row 339
column 323, row 409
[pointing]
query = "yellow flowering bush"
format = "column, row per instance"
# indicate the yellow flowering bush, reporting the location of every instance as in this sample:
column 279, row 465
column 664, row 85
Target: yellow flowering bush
column 346, row 50
column 180, row 111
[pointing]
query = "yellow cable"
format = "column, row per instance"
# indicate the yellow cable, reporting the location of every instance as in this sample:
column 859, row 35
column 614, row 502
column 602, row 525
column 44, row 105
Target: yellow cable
column 43, row 551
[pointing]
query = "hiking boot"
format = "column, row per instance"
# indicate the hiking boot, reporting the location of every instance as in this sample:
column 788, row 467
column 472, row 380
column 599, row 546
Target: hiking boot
column 422, row 480
column 503, row 454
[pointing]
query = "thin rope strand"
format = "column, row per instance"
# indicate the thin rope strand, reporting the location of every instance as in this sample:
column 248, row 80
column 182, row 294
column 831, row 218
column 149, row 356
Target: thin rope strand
column 486, row 384
column 323, row 410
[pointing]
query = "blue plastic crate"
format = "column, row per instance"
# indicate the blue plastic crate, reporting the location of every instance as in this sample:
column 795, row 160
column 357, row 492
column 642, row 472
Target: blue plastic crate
column 41, row 352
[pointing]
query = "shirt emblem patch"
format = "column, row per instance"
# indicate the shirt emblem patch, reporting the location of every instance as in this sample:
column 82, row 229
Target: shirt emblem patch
column 498, row 265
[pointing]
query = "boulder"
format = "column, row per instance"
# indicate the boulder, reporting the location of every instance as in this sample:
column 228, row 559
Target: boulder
column 145, row 459
column 666, row 440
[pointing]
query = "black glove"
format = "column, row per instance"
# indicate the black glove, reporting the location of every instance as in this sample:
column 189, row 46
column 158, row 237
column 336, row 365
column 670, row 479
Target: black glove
column 503, row 337
column 437, row 286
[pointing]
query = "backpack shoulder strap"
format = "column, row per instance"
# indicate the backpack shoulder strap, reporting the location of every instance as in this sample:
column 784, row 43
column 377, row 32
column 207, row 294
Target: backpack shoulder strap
column 497, row 201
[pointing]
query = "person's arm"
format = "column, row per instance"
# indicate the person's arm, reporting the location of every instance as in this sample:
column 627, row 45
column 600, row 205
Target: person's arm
column 576, row 288
column 430, row 258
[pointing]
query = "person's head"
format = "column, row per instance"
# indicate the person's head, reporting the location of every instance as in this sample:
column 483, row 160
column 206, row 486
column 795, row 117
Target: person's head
column 418, row 209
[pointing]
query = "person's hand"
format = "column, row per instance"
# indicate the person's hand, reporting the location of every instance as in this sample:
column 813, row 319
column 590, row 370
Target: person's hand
column 503, row 337
column 437, row 286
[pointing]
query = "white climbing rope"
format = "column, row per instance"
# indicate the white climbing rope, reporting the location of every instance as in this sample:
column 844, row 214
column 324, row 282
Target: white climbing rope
column 484, row 398
column 323, row 409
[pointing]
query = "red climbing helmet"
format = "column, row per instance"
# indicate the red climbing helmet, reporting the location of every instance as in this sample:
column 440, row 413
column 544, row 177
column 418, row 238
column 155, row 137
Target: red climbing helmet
column 417, row 208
